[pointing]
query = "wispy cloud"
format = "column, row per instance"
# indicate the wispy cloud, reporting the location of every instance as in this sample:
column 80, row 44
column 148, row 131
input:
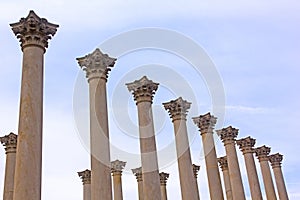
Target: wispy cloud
column 248, row 109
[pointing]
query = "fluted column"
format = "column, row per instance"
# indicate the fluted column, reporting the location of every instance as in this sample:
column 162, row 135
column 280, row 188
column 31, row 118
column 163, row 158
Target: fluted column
column 196, row 169
column 10, row 144
column 262, row 155
column 139, row 177
column 276, row 160
column 206, row 124
column 33, row 32
column 163, row 185
column 143, row 91
column 246, row 145
column 97, row 65
column 228, row 136
column 86, row 181
column 178, row 111
column 224, row 166
column 116, row 170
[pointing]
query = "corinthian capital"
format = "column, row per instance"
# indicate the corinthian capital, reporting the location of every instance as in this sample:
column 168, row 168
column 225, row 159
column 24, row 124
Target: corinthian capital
column 138, row 173
column 276, row 160
column 246, row 144
column 34, row 30
column 96, row 64
column 143, row 89
column 85, row 176
column 196, row 169
column 223, row 163
column 262, row 153
column 117, row 166
column 228, row 134
column 163, row 178
column 205, row 123
column 177, row 108
column 10, row 142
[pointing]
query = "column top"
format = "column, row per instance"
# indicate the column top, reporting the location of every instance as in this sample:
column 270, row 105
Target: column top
column 138, row 173
column 142, row 89
column 246, row 144
column 275, row 160
column 262, row 153
column 85, row 176
column 117, row 166
column 34, row 31
column 196, row 169
column 177, row 108
column 223, row 163
column 163, row 178
column 205, row 123
column 96, row 64
column 228, row 134
column 10, row 142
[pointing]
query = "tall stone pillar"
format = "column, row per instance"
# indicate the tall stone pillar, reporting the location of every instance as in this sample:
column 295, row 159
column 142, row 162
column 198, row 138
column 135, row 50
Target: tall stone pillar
column 246, row 145
column 139, row 177
column 116, row 169
column 86, row 181
column 163, row 185
column 143, row 91
column 178, row 110
column 206, row 125
column 10, row 144
column 262, row 155
column 33, row 33
column 276, row 160
column 224, row 166
column 196, row 169
column 228, row 136
column 97, row 65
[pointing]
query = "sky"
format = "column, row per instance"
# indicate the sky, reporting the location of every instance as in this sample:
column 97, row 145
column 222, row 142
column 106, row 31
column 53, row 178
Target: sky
column 238, row 60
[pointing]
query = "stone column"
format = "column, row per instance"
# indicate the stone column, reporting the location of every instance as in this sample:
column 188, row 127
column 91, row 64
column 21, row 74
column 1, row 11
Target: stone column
column 139, row 177
column 246, row 145
column 10, row 144
column 33, row 33
column 196, row 169
column 178, row 110
column 228, row 136
column 86, row 181
column 116, row 169
column 206, row 125
column 163, row 185
column 262, row 155
column 97, row 65
column 143, row 91
column 224, row 166
column 276, row 160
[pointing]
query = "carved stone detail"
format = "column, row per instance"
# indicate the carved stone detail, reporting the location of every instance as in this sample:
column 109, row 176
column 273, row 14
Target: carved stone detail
column 34, row 30
column 262, row 153
column 10, row 142
column 117, row 167
column 177, row 108
column 85, row 176
column 138, row 173
column 142, row 89
column 196, row 169
column 205, row 123
column 223, row 163
column 275, row 160
column 246, row 144
column 163, row 178
column 96, row 64
column 228, row 134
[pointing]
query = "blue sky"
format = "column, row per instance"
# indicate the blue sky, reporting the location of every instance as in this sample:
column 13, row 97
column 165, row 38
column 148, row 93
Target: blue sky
column 254, row 46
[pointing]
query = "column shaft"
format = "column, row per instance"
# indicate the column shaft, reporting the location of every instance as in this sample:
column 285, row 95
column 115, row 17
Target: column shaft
column 252, row 177
column 117, row 182
column 186, row 174
column 282, row 192
column 140, row 190
column 87, row 192
column 267, row 179
column 163, row 190
column 151, row 183
column 227, row 184
column 99, row 138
